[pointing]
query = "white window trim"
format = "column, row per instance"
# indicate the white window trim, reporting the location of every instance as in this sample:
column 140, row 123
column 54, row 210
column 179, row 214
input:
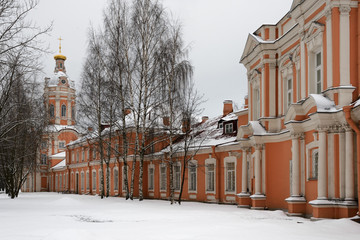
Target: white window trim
column 232, row 128
column 82, row 181
column 179, row 165
column 230, row 159
column 63, row 144
column 309, row 148
column 193, row 162
column 151, row 166
column 210, row 161
column 316, row 68
column 113, row 186
column 93, row 181
column 87, row 181
column 163, row 165
column 289, row 91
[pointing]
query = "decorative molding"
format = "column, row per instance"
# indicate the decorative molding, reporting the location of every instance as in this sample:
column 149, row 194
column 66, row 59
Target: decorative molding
column 344, row 10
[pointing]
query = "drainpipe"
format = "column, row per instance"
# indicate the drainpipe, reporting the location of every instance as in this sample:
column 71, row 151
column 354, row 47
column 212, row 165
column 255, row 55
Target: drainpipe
column 353, row 125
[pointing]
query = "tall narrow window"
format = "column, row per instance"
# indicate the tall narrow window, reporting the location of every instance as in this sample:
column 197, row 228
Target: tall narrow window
column 162, row 177
column 256, row 102
column 87, row 181
column 60, row 182
column 94, row 153
column 289, row 92
column 83, row 155
column 210, row 177
column 315, row 160
column 77, row 157
column 177, row 177
column 82, row 181
column 63, row 111
column 229, row 128
column 318, row 72
column 94, row 181
column 116, row 179
column 151, row 178
column 73, row 113
column 192, row 177
column 52, row 110
column 43, row 158
column 230, row 176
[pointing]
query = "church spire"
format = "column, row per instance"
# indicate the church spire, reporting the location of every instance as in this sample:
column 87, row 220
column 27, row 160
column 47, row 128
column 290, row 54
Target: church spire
column 60, row 60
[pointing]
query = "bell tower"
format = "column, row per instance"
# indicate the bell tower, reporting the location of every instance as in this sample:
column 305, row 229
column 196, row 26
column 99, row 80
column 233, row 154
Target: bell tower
column 59, row 94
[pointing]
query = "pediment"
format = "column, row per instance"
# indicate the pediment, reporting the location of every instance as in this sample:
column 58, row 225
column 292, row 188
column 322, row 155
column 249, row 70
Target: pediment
column 251, row 43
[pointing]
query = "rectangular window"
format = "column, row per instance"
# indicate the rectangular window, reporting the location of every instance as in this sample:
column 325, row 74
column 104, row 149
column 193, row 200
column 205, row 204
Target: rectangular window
column 162, row 178
column 77, row 157
column 210, row 177
column 61, row 145
column 73, row 157
column 83, row 155
column 56, row 183
column 43, row 158
column 220, row 125
column 229, row 128
column 314, row 169
column 82, row 181
column 151, row 178
column 43, row 144
column 94, row 181
column 116, row 179
column 230, row 176
column 289, row 92
column 87, row 181
column 192, row 177
column 256, row 107
column 100, row 175
column 177, row 170
column 60, row 181
column 318, row 72
column 94, row 153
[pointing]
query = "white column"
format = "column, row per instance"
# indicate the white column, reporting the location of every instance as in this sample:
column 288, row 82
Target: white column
column 322, row 165
column 272, row 90
column 295, row 166
column 331, row 177
column 57, row 109
column 302, row 165
column 262, row 85
column 257, row 171
column 342, row 164
column 244, row 171
column 349, row 166
column 263, row 167
column 329, row 55
column 303, row 65
column 344, row 98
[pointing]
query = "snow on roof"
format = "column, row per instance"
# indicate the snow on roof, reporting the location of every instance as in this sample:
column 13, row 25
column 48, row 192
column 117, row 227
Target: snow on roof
column 59, row 165
column 230, row 117
column 323, row 104
column 258, row 129
column 54, row 79
column 58, row 128
column 59, row 155
column 260, row 40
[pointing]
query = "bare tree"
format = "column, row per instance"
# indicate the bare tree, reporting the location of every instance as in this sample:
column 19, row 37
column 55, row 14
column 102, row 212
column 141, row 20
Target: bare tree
column 21, row 111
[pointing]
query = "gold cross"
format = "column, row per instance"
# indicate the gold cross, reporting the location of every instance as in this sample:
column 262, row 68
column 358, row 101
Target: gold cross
column 60, row 43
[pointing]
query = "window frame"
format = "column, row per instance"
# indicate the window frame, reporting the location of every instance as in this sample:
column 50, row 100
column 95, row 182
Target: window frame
column 229, row 130
column 230, row 188
column 163, row 177
column 151, row 178
column 208, row 162
column 63, row 110
column 192, row 176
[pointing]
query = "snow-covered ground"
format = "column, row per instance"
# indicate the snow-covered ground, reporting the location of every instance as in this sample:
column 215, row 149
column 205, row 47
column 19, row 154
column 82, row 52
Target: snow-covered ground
column 59, row 216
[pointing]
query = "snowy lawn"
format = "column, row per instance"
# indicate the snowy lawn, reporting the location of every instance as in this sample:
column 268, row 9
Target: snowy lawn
column 59, row 216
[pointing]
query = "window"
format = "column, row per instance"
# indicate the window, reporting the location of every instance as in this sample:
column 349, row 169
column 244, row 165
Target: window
column 192, row 176
column 43, row 144
column 151, row 178
column 220, row 125
column 52, row 110
column 289, row 91
column 43, row 158
column 61, row 65
column 177, row 171
column 163, row 177
column 83, row 155
column 318, row 72
column 315, row 161
column 73, row 157
column 61, row 145
column 94, row 153
column 229, row 128
column 94, row 181
column 73, row 113
column 100, row 176
column 123, row 177
column 82, row 181
column 87, row 181
column 56, row 183
column 60, row 182
column 77, row 157
column 230, row 176
column 63, row 111
column 210, row 177
column 116, row 179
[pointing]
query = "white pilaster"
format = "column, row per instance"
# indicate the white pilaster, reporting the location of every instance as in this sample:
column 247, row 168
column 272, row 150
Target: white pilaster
column 342, row 164
column 262, row 107
column 263, row 168
column 302, row 164
column 295, row 166
column 257, row 170
column 272, row 90
column 349, row 166
column 329, row 48
column 331, row 177
column 322, row 165
column 244, row 171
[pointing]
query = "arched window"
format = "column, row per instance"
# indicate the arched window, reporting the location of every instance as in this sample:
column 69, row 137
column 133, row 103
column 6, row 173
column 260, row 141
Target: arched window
column 63, row 111
column 52, row 111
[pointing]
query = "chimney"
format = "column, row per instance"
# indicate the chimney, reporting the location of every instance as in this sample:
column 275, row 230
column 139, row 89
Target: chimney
column 104, row 126
column 90, row 129
column 228, row 107
column 185, row 125
column 204, row 119
column 166, row 121
column 246, row 105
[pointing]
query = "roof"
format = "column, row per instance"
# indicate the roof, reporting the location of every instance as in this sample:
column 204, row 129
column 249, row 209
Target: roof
column 59, row 155
column 60, row 165
column 54, row 79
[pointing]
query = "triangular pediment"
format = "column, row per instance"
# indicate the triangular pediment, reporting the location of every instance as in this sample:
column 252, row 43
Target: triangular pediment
column 251, row 43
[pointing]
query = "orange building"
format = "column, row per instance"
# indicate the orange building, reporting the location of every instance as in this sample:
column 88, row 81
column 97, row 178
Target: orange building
column 294, row 146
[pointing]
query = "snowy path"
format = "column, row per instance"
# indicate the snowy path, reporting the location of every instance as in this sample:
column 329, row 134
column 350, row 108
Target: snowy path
column 66, row 217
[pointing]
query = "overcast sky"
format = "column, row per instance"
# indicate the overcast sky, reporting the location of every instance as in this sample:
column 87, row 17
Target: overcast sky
column 216, row 31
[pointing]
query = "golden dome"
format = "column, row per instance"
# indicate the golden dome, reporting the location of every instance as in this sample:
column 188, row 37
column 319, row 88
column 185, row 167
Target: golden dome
column 59, row 56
